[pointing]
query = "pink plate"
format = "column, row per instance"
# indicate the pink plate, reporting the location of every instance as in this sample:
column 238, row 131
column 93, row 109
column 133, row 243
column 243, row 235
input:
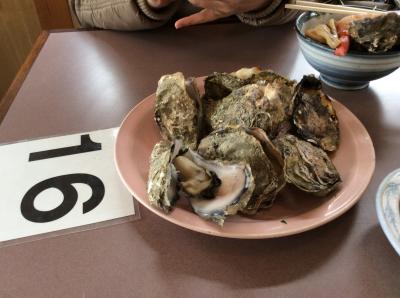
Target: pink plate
column 293, row 212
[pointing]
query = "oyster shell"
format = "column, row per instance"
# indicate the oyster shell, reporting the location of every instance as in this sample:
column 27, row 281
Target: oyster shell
column 277, row 162
column 266, row 106
column 219, row 85
column 236, row 144
column 215, row 189
column 246, row 73
column 266, row 76
column 237, row 168
column 177, row 110
column 307, row 167
column 196, row 180
column 314, row 116
column 377, row 34
column 162, row 181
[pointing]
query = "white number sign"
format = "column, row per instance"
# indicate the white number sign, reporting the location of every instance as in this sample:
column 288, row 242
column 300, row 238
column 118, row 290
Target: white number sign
column 58, row 183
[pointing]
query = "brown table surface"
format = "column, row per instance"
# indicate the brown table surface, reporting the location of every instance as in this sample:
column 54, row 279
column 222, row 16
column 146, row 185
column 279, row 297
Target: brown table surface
column 89, row 80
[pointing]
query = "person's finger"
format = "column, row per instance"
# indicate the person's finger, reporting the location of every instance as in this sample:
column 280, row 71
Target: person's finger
column 204, row 16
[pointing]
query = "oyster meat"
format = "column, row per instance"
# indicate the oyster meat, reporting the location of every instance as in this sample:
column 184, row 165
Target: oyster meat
column 377, row 34
column 178, row 109
column 237, row 144
column 215, row 189
column 307, row 167
column 314, row 116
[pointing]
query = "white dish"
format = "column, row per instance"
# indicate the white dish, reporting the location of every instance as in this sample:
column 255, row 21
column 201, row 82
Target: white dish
column 388, row 208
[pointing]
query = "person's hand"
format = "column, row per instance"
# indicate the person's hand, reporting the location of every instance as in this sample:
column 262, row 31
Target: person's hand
column 216, row 9
column 159, row 3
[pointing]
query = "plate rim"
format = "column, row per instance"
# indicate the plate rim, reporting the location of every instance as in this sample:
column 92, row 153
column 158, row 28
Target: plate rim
column 354, row 198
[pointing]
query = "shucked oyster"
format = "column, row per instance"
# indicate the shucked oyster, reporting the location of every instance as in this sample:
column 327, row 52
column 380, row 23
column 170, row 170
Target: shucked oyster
column 237, row 144
column 266, row 106
column 313, row 115
column 215, row 189
column 177, row 110
column 307, row 167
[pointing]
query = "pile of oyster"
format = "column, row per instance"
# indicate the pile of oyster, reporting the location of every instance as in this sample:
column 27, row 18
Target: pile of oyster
column 233, row 149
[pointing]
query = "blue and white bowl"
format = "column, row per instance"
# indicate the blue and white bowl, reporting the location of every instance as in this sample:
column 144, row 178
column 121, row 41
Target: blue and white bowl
column 388, row 208
column 351, row 72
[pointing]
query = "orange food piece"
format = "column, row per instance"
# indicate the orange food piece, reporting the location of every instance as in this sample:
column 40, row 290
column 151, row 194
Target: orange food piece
column 344, row 46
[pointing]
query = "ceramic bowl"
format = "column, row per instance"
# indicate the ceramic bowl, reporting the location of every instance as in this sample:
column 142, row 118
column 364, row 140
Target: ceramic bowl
column 351, row 72
column 388, row 208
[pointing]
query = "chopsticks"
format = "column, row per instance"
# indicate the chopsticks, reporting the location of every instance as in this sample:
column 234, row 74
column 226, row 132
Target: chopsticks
column 330, row 8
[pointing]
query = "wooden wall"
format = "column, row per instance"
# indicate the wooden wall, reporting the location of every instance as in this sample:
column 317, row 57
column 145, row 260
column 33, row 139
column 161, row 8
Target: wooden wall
column 53, row 14
column 21, row 21
column 19, row 28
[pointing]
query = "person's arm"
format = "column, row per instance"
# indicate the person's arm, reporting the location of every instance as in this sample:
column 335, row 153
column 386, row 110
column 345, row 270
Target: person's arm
column 272, row 14
column 252, row 12
column 122, row 14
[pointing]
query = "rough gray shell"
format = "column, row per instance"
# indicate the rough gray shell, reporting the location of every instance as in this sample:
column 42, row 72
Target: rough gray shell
column 219, row 85
column 314, row 116
column 266, row 106
column 177, row 110
column 378, row 34
column 162, row 181
column 266, row 76
column 307, row 167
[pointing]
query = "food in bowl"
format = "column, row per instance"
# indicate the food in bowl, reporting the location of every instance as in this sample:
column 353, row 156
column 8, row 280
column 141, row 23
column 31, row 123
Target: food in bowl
column 364, row 32
column 255, row 131
column 353, row 71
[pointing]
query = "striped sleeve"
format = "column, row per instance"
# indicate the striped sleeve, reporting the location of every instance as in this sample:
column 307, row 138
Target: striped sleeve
column 273, row 14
